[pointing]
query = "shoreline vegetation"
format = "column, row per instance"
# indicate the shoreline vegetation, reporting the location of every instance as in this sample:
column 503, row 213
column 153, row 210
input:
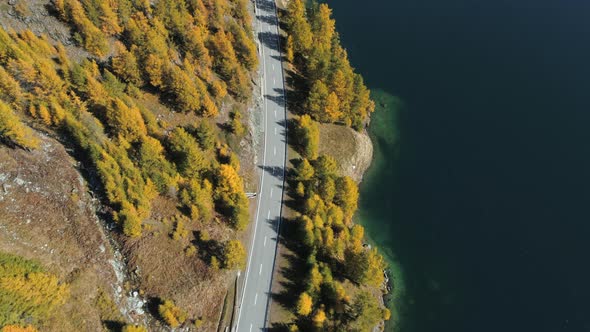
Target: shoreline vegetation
column 332, row 280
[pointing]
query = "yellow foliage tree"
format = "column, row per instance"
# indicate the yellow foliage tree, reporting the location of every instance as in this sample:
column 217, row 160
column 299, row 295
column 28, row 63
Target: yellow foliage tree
column 319, row 318
column 234, row 255
column 126, row 121
column 16, row 328
column 347, row 195
column 209, row 109
column 133, row 328
column 125, row 64
column 308, row 137
column 44, row 114
column 289, row 52
column 304, row 304
column 171, row 314
column 154, row 67
column 14, row 131
column 332, row 107
column 32, row 296
column 228, row 180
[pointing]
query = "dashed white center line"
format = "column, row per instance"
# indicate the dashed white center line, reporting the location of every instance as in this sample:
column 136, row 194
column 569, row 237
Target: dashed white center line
column 265, row 241
column 250, row 327
column 273, row 67
column 275, row 114
column 271, row 192
column 260, row 271
column 268, row 215
column 274, row 81
column 255, row 298
column 275, row 150
column 275, row 130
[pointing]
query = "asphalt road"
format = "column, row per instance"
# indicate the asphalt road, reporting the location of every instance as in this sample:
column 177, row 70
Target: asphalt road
column 255, row 299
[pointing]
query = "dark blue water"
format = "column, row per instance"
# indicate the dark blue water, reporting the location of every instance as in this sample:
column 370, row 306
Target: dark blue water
column 480, row 191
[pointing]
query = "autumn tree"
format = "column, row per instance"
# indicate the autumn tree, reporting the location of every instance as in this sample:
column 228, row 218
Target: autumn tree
column 327, row 189
column 365, row 312
column 205, row 134
column 130, row 220
column 186, row 153
column 346, row 195
column 28, row 293
column 154, row 68
column 125, row 65
column 230, row 196
column 307, row 134
column 323, row 26
column 197, row 198
column 13, row 131
column 298, row 26
column 304, row 304
column 17, row 328
column 289, row 51
column 325, row 166
column 153, row 163
column 319, row 318
column 235, row 123
column 185, row 90
column 10, row 90
column 172, row 315
column 245, row 47
column 125, row 121
column 234, row 255
column 133, row 328
column 304, row 171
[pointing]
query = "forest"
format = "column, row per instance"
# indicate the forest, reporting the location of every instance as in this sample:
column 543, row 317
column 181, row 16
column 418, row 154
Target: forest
column 337, row 278
column 329, row 90
column 173, row 178
column 196, row 57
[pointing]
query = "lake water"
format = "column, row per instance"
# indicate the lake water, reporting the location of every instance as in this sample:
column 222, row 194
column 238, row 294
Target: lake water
column 480, row 190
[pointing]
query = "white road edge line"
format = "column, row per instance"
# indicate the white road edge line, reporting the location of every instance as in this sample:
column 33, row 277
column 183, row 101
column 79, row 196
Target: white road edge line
column 260, row 271
column 265, row 241
column 263, row 84
column 255, row 298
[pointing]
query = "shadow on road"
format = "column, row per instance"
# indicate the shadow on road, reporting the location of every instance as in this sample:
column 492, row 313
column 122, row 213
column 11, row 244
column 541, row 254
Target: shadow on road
column 268, row 19
column 275, row 171
column 269, row 39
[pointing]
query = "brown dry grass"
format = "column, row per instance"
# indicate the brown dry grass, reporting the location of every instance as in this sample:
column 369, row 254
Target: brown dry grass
column 352, row 150
column 47, row 215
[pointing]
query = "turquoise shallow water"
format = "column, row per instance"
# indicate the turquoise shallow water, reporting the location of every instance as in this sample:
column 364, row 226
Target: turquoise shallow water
column 480, row 187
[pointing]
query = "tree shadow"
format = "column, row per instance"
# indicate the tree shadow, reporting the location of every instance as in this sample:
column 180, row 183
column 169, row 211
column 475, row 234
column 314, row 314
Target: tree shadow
column 274, row 224
column 278, row 99
column 269, row 39
column 113, row 325
column 297, row 94
column 266, row 5
column 278, row 57
column 278, row 327
column 208, row 248
column 275, row 171
column 295, row 272
column 268, row 19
